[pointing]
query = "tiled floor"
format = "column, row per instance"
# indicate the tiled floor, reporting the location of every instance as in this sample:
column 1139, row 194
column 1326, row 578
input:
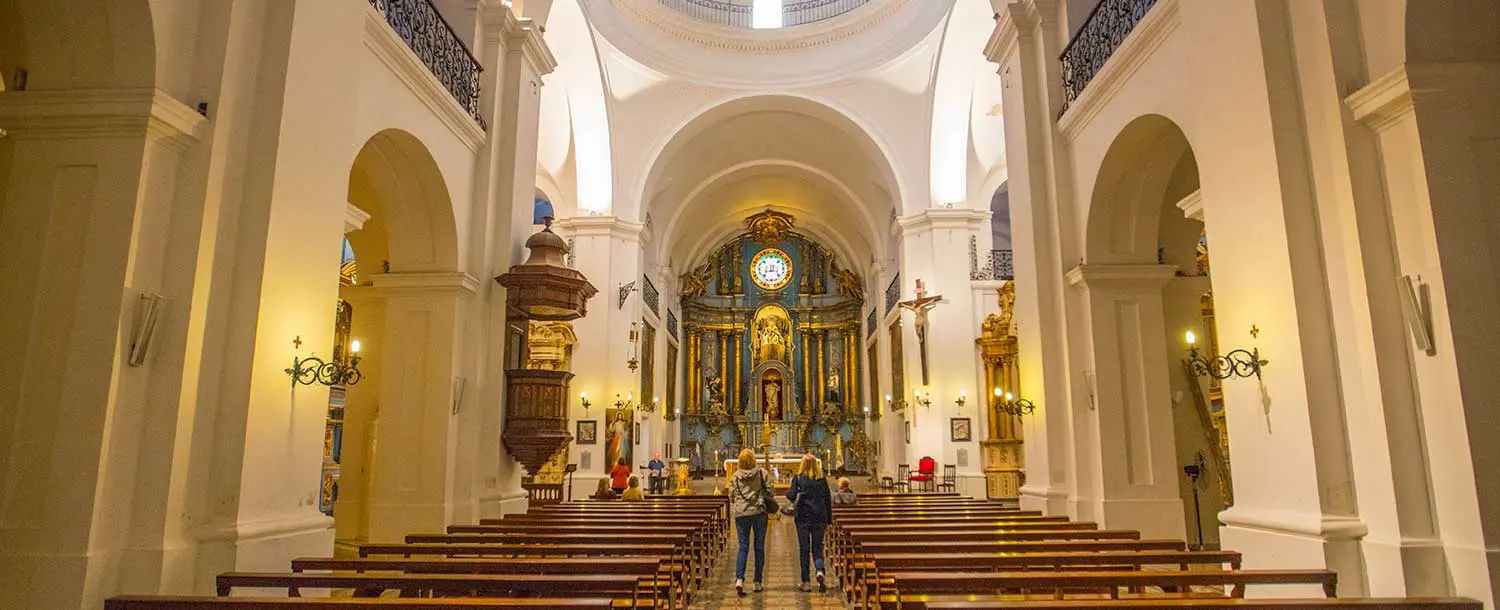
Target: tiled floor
column 781, row 577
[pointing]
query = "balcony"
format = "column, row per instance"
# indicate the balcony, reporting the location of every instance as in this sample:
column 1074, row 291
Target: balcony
column 741, row 13
column 1106, row 28
column 426, row 33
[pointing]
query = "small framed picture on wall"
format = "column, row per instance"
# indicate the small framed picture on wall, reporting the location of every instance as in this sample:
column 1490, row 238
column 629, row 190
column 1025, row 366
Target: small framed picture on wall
column 908, row 432
column 637, row 432
column 962, row 431
column 588, row 432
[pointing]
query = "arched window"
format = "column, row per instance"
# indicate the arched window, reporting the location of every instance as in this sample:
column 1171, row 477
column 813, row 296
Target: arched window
column 541, row 209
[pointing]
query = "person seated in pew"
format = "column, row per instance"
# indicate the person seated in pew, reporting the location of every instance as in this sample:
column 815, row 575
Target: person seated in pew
column 844, row 495
column 633, row 493
column 619, row 476
column 604, row 492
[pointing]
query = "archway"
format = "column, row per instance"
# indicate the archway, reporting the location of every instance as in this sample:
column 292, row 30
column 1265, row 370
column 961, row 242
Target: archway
column 406, row 303
column 1146, row 281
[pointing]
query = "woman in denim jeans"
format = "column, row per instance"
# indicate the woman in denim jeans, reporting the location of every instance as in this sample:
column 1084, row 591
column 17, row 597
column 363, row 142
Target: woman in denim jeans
column 814, row 505
column 746, row 491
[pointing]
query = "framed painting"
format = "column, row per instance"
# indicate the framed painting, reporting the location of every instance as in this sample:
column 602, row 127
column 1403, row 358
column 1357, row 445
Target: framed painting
column 587, row 432
column 962, row 428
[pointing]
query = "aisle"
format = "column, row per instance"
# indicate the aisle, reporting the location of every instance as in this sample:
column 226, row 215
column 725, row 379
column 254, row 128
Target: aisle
column 782, row 576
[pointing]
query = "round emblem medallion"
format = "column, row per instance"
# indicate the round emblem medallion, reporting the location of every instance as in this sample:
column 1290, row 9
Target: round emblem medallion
column 771, row 269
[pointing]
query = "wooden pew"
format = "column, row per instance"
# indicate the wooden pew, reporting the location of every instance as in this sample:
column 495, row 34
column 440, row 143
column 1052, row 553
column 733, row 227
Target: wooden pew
column 603, row 549
column 916, row 589
column 1209, row 603
column 170, row 602
column 479, row 585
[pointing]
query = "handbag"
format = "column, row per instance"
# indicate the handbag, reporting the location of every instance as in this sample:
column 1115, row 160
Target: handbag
column 767, row 500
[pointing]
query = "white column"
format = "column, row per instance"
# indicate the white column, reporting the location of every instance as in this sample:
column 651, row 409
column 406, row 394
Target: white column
column 514, row 58
column 1126, row 457
column 88, row 220
column 931, row 241
column 1026, row 44
column 607, row 250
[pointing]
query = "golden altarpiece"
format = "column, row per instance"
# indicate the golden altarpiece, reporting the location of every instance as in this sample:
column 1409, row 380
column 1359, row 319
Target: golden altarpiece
column 771, row 319
column 1001, row 448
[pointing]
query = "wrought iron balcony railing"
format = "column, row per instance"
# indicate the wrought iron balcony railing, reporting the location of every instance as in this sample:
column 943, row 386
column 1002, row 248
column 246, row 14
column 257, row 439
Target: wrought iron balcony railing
column 1106, row 28
column 738, row 13
column 428, row 35
column 1000, row 265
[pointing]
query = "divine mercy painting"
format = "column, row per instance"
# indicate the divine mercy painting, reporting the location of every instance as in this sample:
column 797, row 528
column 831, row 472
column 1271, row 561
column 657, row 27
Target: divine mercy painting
column 618, row 438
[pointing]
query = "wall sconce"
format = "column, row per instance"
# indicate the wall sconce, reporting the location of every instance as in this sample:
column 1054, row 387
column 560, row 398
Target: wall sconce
column 583, row 397
column 313, row 369
column 635, row 336
column 1236, row 363
column 1008, row 403
column 871, row 415
column 894, row 406
column 651, row 406
column 625, row 403
column 963, row 396
column 673, row 414
column 917, row 398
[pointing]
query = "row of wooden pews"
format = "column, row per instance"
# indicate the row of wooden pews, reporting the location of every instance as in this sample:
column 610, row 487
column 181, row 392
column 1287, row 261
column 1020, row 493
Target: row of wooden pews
column 588, row 554
column 936, row 551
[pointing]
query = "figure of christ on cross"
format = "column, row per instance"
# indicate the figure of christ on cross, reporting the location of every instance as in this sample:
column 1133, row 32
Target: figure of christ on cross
column 919, row 306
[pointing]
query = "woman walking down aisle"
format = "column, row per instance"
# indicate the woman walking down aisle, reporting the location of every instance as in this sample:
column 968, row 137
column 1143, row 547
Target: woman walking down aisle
column 813, row 503
column 747, row 492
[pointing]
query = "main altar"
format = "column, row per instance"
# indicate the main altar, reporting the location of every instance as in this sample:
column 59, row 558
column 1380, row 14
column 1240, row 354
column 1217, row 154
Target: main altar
column 772, row 324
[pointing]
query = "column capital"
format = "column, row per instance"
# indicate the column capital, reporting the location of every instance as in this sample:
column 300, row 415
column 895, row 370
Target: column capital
column 519, row 35
column 424, row 283
column 602, row 226
column 1120, row 278
column 100, row 113
column 354, row 218
column 944, row 218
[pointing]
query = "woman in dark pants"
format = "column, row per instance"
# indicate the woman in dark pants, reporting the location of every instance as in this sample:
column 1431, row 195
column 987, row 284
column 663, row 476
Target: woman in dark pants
column 814, row 506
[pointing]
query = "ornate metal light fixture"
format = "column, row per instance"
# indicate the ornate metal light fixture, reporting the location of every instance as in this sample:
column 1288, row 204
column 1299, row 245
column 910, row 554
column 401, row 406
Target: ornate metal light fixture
column 625, row 403
column 650, row 407
column 918, row 398
column 963, row 397
column 1006, row 402
column 1236, row 363
column 635, row 336
column 583, row 397
column 312, row 369
column 894, row 406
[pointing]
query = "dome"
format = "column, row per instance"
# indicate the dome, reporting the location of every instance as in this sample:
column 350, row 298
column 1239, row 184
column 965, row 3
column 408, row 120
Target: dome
column 763, row 14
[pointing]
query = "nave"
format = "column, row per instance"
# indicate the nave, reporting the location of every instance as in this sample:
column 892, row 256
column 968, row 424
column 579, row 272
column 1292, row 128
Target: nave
column 901, row 551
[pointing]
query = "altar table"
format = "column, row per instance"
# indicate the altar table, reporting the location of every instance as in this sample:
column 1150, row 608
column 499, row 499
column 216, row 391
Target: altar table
column 781, row 469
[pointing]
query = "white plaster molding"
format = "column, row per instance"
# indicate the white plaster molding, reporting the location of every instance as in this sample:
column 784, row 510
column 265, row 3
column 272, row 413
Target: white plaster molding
column 943, row 218
column 1139, row 46
column 354, row 218
column 264, row 529
column 745, row 40
column 101, row 113
column 1326, row 527
column 409, row 69
column 1384, row 102
column 1120, row 276
column 519, row 34
column 598, row 226
column 441, row 283
column 1192, row 205
column 1018, row 21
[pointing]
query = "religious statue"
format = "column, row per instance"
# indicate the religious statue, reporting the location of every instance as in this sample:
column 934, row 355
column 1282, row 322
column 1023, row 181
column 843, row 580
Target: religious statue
column 849, row 284
column 770, row 339
column 715, row 393
column 919, row 307
column 695, row 282
column 1007, row 295
column 832, row 393
column 773, row 400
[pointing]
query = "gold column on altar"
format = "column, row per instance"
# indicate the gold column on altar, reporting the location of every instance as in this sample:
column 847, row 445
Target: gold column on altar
column 1001, row 448
column 695, row 370
column 820, row 339
column 732, row 389
column 723, row 367
column 807, row 362
column 851, row 369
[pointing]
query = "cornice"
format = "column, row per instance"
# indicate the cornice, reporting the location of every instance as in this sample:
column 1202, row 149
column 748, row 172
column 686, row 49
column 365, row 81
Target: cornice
column 409, row 69
column 1327, row 527
column 1140, row 44
column 1192, row 205
column 354, row 218
column 524, row 35
column 101, row 113
column 943, row 218
column 441, row 283
column 599, row 226
column 1384, row 102
column 1125, row 276
column 741, row 40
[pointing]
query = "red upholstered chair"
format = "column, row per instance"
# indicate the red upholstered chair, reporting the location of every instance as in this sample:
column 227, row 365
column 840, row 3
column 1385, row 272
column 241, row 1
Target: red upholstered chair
column 925, row 474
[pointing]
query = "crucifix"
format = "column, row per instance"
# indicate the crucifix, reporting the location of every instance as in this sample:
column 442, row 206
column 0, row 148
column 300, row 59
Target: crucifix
column 919, row 306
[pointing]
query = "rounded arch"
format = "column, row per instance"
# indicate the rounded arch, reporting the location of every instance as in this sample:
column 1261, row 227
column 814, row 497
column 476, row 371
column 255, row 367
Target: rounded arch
column 1150, row 158
column 702, row 118
column 396, row 181
column 78, row 44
